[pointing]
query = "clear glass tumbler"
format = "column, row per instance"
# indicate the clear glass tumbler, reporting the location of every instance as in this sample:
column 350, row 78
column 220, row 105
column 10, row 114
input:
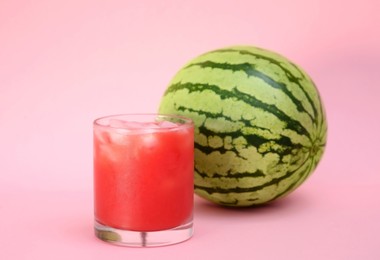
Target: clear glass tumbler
column 143, row 179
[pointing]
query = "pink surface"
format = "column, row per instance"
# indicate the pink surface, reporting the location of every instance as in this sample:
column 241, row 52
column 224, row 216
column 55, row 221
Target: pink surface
column 63, row 63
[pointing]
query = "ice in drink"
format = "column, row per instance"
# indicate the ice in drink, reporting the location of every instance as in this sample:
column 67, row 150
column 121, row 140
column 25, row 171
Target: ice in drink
column 143, row 173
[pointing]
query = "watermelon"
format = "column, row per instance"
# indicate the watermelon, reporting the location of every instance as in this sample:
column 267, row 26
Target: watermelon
column 260, row 125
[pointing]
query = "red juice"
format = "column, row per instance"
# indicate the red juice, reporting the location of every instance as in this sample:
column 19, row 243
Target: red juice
column 143, row 173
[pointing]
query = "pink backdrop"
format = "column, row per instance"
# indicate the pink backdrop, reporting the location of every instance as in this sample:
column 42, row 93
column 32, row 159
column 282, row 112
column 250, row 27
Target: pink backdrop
column 63, row 63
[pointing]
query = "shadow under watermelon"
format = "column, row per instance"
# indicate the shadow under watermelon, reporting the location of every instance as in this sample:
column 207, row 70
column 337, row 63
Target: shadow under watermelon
column 295, row 203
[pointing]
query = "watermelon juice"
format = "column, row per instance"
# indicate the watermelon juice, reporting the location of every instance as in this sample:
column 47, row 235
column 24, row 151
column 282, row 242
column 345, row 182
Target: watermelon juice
column 143, row 179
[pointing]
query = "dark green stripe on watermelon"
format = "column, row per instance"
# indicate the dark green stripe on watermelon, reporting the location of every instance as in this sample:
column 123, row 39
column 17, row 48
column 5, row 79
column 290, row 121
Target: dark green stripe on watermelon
column 274, row 181
column 253, row 140
column 289, row 75
column 224, row 94
column 250, row 71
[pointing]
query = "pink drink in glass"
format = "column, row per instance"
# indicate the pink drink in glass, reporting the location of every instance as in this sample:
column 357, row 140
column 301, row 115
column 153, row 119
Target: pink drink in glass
column 143, row 179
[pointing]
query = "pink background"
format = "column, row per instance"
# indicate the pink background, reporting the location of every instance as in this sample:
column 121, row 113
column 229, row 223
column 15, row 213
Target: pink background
column 63, row 63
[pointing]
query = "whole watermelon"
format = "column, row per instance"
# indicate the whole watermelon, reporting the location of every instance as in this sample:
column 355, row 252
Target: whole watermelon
column 260, row 125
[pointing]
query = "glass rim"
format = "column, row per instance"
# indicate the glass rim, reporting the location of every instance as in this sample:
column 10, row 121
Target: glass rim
column 128, row 117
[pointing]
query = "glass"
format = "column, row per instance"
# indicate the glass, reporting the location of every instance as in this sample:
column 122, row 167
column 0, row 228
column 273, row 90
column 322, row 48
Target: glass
column 143, row 179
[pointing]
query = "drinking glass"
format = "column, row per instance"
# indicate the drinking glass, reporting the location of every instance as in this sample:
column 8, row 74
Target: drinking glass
column 143, row 179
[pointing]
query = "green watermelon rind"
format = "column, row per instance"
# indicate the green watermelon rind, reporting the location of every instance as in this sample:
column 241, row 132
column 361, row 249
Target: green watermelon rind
column 260, row 125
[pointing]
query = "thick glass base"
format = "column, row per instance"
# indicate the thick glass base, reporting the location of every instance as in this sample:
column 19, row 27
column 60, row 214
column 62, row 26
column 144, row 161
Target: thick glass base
column 144, row 239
